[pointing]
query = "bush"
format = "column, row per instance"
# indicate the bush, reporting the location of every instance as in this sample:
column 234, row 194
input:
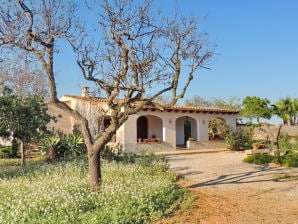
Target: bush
column 238, row 140
column 129, row 157
column 284, row 142
column 259, row 159
column 289, row 160
column 14, row 148
column 157, row 163
column 5, row 152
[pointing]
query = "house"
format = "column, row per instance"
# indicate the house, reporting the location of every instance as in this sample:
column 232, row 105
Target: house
column 171, row 127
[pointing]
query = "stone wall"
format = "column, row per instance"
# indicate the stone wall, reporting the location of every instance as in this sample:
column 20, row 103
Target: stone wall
column 262, row 132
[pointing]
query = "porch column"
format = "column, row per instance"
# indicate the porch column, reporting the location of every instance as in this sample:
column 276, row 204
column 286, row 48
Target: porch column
column 169, row 131
column 129, row 133
column 202, row 129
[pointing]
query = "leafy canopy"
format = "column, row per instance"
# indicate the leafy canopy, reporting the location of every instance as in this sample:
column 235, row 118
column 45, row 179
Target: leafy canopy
column 256, row 107
column 24, row 118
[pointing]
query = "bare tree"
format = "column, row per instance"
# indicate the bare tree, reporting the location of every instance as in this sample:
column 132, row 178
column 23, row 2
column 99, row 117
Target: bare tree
column 22, row 76
column 139, row 57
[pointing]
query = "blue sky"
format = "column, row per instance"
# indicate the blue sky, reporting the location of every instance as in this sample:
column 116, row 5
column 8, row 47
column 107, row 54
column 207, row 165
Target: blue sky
column 257, row 47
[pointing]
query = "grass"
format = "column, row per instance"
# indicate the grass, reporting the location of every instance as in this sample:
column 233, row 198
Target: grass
column 59, row 193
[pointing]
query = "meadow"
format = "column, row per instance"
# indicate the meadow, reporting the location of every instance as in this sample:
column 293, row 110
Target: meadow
column 59, row 192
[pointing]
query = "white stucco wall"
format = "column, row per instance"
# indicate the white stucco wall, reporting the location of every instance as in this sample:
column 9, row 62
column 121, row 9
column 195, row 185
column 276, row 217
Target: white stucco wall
column 154, row 126
column 180, row 131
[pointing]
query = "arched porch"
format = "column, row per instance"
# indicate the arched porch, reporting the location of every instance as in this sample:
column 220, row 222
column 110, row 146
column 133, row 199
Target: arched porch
column 149, row 127
column 186, row 127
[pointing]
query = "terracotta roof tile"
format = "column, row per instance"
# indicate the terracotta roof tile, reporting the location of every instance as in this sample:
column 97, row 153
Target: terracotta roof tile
column 175, row 108
column 92, row 99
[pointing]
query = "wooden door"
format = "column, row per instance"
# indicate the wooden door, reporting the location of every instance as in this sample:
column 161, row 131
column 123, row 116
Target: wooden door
column 142, row 128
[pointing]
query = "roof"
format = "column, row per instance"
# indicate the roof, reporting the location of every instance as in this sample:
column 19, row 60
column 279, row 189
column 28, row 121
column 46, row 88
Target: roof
column 90, row 99
column 175, row 108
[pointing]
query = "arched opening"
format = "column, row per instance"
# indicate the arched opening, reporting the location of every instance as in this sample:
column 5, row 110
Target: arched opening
column 216, row 128
column 149, row 129
column 186, row 127
column 142, row 128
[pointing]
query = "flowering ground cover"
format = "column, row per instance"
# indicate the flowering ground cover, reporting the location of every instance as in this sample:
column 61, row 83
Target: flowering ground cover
column 59, row 193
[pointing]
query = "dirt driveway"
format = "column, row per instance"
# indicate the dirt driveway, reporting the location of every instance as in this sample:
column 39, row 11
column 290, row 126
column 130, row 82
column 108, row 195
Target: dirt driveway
column 231, row 191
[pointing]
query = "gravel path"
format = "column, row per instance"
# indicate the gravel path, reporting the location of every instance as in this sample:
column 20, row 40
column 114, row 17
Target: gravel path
column 243, row 193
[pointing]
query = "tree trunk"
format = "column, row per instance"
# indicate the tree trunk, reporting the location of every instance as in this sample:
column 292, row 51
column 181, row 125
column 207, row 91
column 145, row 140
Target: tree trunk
column 23, row 154
column 94, row 171
column 277, row 136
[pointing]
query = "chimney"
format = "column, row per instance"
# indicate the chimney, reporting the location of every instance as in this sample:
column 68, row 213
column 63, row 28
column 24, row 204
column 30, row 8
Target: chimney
column 85, row 91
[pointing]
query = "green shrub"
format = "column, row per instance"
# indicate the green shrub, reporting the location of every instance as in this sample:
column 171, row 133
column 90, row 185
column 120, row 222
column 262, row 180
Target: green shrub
column 157, row 163
column 284, row 142
column 259, row 159
column 238, row 140
column 14, row 148
column 291, row 160
column 129, row 157
column 277, row 159
column 5, row 152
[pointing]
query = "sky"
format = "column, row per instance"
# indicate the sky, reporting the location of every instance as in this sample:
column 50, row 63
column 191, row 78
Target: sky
column 256, row 53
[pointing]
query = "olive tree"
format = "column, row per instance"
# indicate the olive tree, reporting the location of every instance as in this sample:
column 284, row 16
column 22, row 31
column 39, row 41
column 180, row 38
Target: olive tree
column 135, row 57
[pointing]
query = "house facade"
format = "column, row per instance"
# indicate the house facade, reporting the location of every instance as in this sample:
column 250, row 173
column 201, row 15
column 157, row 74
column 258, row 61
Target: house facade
column 172, row 127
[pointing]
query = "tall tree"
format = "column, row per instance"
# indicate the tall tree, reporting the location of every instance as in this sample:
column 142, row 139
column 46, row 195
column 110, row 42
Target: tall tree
column 21, row 75
column 24, row 118
column 197, row 101
column 256, row 107
column 285, row 109
column 138, row 56
column 295, row 107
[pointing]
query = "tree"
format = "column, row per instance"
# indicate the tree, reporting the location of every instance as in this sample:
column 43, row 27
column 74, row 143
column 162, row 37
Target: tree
column 285, row 108
column 197, row 101
column 137, row 56
column 25, row 119
column 256, row 107
column 295, row 106
column 21, row 75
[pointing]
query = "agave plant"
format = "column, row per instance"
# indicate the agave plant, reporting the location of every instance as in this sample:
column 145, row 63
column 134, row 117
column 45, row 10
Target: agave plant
column 74, row 143
column 48, row 142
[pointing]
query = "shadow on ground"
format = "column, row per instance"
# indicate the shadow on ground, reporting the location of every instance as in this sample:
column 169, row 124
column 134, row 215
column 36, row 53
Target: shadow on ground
column 259, row 175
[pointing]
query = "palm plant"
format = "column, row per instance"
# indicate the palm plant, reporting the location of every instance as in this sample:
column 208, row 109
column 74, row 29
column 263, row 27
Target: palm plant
column 52, row 146
column 284, row 108
column 295, row 107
